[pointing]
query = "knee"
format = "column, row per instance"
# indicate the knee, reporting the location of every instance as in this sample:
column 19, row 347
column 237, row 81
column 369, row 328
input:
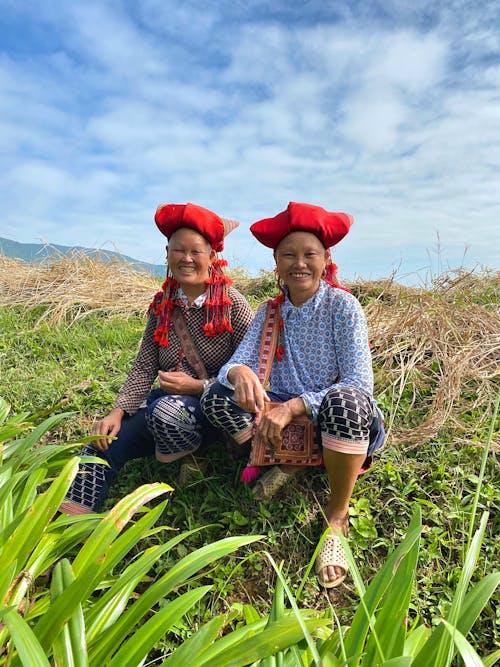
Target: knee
column 170, row 411
column 213, row 397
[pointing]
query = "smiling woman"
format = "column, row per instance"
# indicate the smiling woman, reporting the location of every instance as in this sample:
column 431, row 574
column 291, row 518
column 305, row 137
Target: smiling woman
column 320, row 369
column 195, row 324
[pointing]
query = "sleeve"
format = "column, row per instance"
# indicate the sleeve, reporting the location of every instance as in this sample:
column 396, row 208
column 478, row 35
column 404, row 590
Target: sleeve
column 354, row 359
column 143, row 372
column 248, row 350
column 241, row 317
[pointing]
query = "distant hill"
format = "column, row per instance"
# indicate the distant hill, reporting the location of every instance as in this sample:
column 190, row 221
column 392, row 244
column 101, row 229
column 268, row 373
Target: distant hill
column 36, row 252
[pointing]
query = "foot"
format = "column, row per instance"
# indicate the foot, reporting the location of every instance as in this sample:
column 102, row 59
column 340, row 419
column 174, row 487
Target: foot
column 331, row 562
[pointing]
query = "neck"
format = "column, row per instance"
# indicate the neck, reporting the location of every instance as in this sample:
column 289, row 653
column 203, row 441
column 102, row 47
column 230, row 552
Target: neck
column 298, row 298
column 193, row 291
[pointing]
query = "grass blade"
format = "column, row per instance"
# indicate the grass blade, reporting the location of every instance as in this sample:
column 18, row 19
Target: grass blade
column 27, row 645
column 138, row 646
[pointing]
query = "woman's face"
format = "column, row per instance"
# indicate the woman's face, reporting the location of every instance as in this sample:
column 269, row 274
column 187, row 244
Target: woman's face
column 300, row 262
column 189, row 257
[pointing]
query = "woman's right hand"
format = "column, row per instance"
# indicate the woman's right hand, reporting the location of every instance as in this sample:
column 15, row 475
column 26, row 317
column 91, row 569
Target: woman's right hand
column 249, row 394
column 108, row 426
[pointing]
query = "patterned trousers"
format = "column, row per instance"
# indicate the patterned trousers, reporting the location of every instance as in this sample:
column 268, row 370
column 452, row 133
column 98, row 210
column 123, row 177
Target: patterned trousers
column 168, row 428
column 345, row 419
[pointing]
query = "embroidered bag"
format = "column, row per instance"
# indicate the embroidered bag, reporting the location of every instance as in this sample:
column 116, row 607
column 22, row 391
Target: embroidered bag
column 299, row 445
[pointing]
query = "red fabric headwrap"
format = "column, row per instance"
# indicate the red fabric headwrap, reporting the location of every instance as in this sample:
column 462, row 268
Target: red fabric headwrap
column 171, row 217
column 328, row 226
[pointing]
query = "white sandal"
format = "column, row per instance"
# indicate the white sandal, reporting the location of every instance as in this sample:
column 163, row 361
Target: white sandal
column 271, row 482
column 331, row 553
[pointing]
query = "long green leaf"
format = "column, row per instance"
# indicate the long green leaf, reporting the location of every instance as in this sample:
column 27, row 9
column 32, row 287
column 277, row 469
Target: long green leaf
column 143, row 639
column 111, row 605
column 20, row 447
column 390, row 625
column 50, row 624
column 243, row 647
column 29, row 531
column 195, row 646
column 27, row 645
column 439, row 649
column 363, row 617
column 176, row 576
column 293, row 603
column 492, row 658
column 469, row 655
column 95, row 549
column 69, row 647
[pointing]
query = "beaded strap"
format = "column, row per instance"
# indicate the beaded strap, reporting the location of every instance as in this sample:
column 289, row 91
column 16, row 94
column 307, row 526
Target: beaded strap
column 188, row 345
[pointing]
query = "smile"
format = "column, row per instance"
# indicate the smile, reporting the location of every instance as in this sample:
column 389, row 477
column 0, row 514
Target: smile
column 299, row 275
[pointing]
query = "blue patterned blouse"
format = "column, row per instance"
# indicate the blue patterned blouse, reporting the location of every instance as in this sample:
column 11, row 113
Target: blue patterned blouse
column 325, row 339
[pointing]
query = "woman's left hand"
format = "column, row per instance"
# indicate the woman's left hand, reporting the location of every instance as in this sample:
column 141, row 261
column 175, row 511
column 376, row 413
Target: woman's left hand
column 177, row 382
column 271, row 424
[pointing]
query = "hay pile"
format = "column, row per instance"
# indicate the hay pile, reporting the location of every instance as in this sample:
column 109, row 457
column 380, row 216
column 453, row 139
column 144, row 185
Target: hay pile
column 436, row 351
column 75, row 285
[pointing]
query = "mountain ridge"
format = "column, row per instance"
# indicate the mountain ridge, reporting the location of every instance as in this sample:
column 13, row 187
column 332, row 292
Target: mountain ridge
column 37, row 252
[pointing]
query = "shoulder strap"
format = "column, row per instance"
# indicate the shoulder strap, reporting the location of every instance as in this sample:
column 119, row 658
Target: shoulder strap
column 269, row 340
column 187, row 344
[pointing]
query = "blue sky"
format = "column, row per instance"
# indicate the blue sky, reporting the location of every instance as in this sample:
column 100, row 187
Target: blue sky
column 387, row 110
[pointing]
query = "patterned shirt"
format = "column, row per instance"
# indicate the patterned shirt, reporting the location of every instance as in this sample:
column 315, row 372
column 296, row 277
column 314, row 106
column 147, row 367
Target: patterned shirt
column 214, row 352
column 325, row 345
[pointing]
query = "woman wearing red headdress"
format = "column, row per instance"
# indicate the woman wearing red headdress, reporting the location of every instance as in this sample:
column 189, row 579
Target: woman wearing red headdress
column 322, row 368
column 196, row 308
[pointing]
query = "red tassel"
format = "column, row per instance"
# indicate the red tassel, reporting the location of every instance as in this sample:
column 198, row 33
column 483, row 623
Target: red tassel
column 249, row 473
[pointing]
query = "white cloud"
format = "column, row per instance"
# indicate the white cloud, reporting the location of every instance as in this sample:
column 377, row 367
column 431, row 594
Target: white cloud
column 137, row 104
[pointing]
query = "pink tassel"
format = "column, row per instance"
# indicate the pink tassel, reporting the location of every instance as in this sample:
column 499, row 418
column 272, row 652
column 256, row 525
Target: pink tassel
column 249, row 473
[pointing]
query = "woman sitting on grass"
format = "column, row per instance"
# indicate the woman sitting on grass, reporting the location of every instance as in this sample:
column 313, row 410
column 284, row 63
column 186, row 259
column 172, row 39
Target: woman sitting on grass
column 196, row 308
column 322, row 369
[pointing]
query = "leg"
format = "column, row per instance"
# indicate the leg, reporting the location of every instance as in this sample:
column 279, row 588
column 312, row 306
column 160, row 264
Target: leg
column 345, row 418
column 176, row 423
column 225, row 414
column 91, row 485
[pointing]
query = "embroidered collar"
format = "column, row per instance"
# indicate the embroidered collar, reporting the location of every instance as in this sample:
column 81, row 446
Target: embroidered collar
column 197, row 303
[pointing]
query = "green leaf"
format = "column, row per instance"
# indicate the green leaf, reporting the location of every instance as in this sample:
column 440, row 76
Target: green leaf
column 492, row 658
column 69, row 647
column 364, row 616
column 388, row 638
column 27, row 645
column 143, row 639
column 244, row 646
column 30, row 529
column 191, row 649
column 469, row 655
column 95, row 562
column 176, row 576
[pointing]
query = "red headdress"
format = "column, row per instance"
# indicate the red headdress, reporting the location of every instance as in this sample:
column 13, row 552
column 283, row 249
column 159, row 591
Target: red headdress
column 169, row 218
column 329, row 227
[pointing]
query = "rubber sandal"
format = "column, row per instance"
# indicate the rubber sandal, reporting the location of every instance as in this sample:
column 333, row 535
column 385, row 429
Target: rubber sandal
column 271, row 482
column 331, row 553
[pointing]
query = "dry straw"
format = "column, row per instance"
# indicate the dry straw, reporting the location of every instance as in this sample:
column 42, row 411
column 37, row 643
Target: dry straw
column 435, row 349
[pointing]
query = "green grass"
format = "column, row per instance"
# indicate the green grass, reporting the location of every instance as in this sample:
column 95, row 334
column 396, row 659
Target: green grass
column 87, row 362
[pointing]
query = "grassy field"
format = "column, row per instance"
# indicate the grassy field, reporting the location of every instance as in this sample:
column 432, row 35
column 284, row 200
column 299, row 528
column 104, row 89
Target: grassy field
column 436, row 362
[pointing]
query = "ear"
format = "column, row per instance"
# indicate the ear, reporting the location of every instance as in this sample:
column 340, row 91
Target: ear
column 213, row 255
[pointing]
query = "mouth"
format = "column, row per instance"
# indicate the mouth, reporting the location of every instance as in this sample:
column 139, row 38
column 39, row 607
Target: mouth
column 299, row 275
column 187, row 269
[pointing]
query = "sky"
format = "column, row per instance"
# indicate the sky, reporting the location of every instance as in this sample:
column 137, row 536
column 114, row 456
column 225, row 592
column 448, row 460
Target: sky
column 387, row 110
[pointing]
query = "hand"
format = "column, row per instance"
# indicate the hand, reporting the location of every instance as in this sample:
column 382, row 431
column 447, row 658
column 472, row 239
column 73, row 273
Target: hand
column 109, row 426
column 270, row 425
column 248, row 391
column 177, row 382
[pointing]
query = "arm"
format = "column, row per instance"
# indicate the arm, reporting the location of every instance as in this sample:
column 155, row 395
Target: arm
column 248, row 350
column 143, row 372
